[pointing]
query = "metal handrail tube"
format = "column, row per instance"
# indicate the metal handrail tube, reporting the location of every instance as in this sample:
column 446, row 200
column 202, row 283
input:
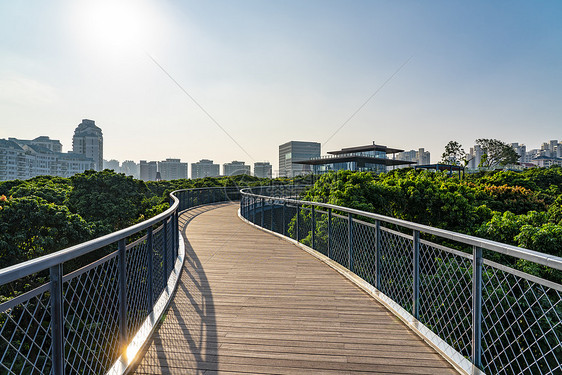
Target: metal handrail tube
column 480, row 314
column 102, row 292
column 514, row 251
column 32, row 266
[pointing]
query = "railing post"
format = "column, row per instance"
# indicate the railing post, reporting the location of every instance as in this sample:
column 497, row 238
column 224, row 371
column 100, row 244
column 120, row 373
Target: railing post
column 416, row 275
column 122, row 294
column 214, row 195
column 350, row 241
column 262, row 212
column 57, row 319
column 284, row 225
column 378, row 254
column 313, row 212
column 477, row 307
column 329, row 232
column 298, row 221
column 165, row 250
column 150, row 276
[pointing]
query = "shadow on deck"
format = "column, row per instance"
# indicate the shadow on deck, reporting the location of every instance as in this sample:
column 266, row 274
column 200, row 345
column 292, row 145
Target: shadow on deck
column 250, row 302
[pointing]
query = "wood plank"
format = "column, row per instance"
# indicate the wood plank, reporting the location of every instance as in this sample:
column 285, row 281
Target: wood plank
column 250, row 302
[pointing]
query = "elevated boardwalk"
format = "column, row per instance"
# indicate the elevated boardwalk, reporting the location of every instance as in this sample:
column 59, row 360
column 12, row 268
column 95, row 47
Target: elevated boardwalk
column 250, row 302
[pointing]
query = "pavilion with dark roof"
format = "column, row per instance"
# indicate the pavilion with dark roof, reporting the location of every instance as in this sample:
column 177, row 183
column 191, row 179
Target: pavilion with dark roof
column 371, row 158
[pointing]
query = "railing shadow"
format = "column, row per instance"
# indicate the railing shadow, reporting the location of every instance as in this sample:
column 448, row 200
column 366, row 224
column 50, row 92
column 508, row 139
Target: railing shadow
column 188, row 331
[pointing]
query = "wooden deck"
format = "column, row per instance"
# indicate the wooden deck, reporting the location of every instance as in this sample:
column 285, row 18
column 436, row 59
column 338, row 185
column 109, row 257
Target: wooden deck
column 250, row 302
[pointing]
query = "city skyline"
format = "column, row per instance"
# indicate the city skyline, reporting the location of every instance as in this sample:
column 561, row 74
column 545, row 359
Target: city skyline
column 272, row 72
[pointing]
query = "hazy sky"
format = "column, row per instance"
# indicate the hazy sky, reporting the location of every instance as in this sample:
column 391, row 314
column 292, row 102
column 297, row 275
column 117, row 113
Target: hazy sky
column 273, row 71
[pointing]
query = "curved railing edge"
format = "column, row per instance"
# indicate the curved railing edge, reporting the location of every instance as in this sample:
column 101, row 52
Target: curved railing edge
column 510, row 250
column 32, row 266
column 456, row 359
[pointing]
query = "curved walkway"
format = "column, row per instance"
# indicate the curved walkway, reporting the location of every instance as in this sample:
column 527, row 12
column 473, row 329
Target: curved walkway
column 250, row 302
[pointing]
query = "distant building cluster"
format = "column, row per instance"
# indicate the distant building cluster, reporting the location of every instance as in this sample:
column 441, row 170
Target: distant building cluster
column 173, row 169
column 23, row 159
column 419, row 157
column 549, row 154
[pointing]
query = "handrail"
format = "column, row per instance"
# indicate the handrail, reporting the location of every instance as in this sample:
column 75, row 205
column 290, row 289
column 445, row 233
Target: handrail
column 32, row 266
column 484, row 317
column 96, row 318
column 506, row 249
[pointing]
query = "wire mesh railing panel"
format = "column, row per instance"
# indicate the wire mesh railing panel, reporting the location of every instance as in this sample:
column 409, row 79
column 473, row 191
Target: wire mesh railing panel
column 339, row 248
column 158, row 276
column 305, row 226
column 25, row 336
column 396, row 272
column 364, row 252
column 267, row 215
column 291, row 221
column 169, row 251
column 521, row 324
column 321, row 234
column 482, row 313
column 277, row 215
column 446, row 296
column 137, row 287
column 91, row 306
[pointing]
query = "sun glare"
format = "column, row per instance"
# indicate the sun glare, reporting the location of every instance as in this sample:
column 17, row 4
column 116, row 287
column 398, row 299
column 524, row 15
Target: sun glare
column 113, row 24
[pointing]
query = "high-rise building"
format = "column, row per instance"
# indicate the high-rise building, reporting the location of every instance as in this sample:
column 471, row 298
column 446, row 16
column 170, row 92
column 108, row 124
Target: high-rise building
column 262, row 169
column 172, row 169
column 235, row 168
column 148, row 170
column 112, row 164
column 420, row 157
column 88, row 141
column 130, row 168
column 22, row 159
column 204, row 168
column 51, row 144
column 295, row 151
column 475, row 157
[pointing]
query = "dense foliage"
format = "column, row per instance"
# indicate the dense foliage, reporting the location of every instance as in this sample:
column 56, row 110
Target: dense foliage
column 519, row 208
column 45, row 214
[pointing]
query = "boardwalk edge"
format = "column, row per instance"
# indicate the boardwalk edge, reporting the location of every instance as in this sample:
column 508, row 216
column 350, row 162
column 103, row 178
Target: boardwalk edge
column 457, row 360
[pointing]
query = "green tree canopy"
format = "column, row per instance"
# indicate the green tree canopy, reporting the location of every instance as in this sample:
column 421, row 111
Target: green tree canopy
column 454, row 154
column 32, row 227
column 110, row 199
column 496, row 153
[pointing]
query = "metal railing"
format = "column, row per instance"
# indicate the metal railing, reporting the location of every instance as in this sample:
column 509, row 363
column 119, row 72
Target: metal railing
column 483, row 316
column 96, row 317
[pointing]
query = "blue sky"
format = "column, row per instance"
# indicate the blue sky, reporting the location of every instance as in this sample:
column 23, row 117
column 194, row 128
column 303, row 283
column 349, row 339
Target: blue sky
column 273, row 71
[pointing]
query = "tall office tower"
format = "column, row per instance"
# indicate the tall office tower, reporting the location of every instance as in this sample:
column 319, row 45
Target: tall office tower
column 148, row 170
column 262, row 169
column 235, row 168
column 88, row 141
column 172, row 169
column 294, row 151
column 204, row 168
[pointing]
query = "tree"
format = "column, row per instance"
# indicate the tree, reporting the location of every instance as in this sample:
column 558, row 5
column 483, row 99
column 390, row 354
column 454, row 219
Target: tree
column 454, row 154
column 496, row 153
column 109, row 199
column 32, row 227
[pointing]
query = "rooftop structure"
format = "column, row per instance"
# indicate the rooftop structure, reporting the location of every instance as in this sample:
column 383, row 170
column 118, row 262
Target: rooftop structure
column 372, row 158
